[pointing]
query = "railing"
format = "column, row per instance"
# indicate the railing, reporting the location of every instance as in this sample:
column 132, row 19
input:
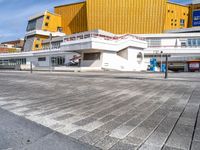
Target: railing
column 105, row 37
column 173, row 46
column 42, row 49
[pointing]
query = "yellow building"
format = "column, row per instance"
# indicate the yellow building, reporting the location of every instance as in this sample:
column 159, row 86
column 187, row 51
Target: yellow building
column 176, row 16
column 74, row 17
column 193, row 8
column 118, row 16
column 39, row 28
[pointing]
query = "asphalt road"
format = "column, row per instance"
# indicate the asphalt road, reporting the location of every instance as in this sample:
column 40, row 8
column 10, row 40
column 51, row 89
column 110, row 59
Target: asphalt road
column 107, row 110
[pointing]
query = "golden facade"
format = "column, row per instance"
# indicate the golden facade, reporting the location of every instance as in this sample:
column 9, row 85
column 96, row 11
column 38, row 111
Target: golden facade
column 176, row 16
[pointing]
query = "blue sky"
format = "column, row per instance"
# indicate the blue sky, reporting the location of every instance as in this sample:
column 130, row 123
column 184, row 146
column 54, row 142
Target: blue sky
column 14, row 15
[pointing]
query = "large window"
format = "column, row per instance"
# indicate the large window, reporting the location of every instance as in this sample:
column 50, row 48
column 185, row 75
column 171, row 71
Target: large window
column 182, row 23
column 91, row 56
column 154, row 42
column 13, row 61
column 31, row 25
column 58, row 61
column 193, row 42
column 42, row 59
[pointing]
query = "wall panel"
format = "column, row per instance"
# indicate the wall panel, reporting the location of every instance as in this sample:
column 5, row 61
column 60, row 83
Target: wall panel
column 74, row 18
column 126, row 16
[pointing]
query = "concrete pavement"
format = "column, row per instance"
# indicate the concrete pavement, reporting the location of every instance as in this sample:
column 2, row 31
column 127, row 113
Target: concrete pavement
column 18, row 133
column 108, row 110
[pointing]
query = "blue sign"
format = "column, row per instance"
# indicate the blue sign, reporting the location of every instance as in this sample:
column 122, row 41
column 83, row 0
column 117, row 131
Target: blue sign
column 163, row 68
column 153, row 63
column 196, row 18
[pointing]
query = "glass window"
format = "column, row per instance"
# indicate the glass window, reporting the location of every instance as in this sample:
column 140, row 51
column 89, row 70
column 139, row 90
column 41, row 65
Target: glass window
column 36, row 46
column 182, row 22
column 31, row 25
column 46, row 24
column 154, row 42
column 183, row 44
column 42, row 59
column 198, row 42
column 194, row 42
column 91, row 56
column 189, row 42
column 48, row 17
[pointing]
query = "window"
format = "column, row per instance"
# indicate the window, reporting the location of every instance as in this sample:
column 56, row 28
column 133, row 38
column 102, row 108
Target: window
column 48, row 17
column 168, row 10
column 139, row 57
column 91, row 56
column 31, row 25
column 172, row 24
column 175, row 20
column 60, row 29
column 172, row 11
column 36, row 46
column 183, row 44
column 189, row 42
column 172, row 19
column 42, row 59
column 182, row 22
column 194, row 42
column 154, row 42
column 46, row 24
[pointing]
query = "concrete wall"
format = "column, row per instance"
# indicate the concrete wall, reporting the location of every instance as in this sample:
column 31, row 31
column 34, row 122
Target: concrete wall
column 112, row 61
column 29, row 44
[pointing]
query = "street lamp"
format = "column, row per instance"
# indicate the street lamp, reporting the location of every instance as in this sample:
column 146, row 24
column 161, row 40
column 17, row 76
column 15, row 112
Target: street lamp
column 166, row 71
column 161, row 53
column 50, row 40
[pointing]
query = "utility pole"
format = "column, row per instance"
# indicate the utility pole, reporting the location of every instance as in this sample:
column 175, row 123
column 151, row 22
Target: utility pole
column 166, row 71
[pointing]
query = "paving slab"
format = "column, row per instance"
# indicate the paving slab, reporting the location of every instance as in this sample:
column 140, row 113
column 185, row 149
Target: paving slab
column 105, row 109
column 21, row 134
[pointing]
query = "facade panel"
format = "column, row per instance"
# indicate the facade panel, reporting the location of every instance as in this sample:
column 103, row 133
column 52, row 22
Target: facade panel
column 51, row 22
column 130, row 16
column 176, row 16
column 74, row 18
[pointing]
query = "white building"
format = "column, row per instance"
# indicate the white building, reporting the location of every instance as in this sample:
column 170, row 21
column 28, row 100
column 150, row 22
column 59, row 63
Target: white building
column 100, row 50
column 181, row 47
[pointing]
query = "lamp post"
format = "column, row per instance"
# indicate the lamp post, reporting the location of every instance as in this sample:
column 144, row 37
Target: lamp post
column 50, row 63
column 166, row 71
column 161, row 61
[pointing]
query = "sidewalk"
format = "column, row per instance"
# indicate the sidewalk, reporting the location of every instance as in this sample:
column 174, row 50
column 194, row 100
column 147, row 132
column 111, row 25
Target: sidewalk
column 18, row 133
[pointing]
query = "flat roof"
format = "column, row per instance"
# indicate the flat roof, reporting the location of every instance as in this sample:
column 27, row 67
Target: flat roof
column 70, row 4
column 184, row 30
column 38, row 15
column 185, row 5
